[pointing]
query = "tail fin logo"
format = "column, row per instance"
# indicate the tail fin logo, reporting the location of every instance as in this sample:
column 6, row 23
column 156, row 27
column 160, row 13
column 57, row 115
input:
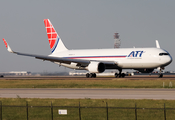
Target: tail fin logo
column 52, row 34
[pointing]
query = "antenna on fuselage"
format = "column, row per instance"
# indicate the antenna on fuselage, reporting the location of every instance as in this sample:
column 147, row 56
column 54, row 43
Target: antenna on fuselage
column 157, row 44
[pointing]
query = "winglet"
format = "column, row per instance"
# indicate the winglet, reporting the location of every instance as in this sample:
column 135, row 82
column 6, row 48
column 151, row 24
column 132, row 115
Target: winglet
column 157, row 44
column 7, row 46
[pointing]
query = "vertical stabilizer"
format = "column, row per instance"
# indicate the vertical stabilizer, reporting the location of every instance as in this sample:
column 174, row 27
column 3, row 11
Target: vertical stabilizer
column 56, row 44
column 157, row 44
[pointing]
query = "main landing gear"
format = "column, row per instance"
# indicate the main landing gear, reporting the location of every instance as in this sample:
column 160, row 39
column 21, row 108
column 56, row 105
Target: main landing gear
column 91, row 75
column 120, row 74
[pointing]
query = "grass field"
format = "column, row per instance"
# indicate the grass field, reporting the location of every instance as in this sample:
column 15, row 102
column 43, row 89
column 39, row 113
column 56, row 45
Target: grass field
column 109, row 83
column 87, row 113
column 40, row 109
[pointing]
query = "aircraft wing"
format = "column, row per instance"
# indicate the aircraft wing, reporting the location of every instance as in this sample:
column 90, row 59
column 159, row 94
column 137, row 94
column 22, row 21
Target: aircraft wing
column 55, row 59
column 82, row 63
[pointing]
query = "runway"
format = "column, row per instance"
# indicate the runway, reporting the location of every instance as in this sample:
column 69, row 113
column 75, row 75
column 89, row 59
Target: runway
column 87, row 93
column 135, row 77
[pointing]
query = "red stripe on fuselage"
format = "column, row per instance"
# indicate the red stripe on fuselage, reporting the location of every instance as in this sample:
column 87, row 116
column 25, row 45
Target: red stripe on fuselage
column 97, row 57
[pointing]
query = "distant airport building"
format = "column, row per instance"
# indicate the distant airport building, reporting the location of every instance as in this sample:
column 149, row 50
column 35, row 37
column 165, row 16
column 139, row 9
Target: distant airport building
column 21, row 73
column 107, row 73
column 117, row 41
column 75, row 73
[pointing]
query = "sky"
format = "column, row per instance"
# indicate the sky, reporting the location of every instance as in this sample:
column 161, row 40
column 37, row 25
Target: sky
column 82, row 24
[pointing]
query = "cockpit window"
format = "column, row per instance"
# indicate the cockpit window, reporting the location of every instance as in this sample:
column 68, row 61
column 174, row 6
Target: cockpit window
column 161, row 54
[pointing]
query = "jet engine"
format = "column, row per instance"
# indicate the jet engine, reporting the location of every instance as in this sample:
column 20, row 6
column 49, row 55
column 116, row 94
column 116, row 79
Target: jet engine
column 96, row 67
column 145, row 70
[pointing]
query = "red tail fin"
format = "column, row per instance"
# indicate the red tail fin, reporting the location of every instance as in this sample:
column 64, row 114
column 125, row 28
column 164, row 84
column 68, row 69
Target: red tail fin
column 54, row 39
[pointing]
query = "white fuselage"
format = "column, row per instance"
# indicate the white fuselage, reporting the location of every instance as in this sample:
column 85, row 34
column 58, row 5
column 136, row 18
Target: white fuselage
column 125, row 58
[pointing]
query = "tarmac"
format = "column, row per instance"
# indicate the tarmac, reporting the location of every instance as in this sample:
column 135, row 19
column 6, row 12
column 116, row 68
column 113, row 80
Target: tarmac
column 135, row 77
column 89, row 93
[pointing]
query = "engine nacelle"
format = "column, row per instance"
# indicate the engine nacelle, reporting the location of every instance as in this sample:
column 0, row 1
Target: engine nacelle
column 145, row 70
column 96, row 67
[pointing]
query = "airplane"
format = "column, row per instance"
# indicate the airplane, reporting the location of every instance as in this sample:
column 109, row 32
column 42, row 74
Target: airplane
column 144, row 60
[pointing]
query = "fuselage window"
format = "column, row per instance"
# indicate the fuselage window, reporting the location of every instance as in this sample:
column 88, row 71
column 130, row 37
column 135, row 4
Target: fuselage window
column 161, row 54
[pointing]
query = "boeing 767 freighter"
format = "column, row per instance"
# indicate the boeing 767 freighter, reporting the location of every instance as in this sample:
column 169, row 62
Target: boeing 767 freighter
column 95, row 61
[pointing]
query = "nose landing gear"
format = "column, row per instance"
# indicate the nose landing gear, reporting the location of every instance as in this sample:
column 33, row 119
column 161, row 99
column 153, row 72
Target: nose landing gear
column 160, row 72
column 160, row 75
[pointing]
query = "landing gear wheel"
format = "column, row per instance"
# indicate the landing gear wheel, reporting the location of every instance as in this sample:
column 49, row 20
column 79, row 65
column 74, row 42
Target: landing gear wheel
column 160, row 75
column 116, row 75
column 87, row 75
column 91, row 75
column 123, row 75
column 94, row 75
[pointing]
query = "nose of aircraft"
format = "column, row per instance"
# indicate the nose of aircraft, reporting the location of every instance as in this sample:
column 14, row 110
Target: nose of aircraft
column 168, row 60
column 165, row 60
